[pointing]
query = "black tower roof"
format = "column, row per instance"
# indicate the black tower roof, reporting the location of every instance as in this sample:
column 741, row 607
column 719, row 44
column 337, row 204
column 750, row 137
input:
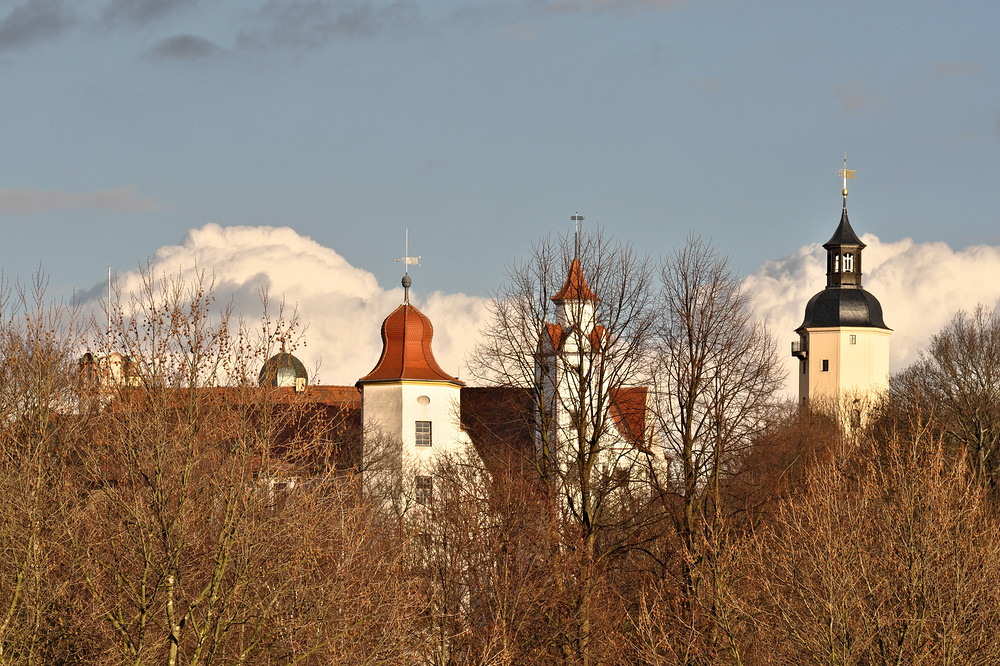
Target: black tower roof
column 843, row 306
column 844, row 302
column 844, row 235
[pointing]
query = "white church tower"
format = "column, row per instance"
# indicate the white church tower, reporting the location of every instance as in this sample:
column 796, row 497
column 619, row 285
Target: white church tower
column 410, row 410
column 843, row 345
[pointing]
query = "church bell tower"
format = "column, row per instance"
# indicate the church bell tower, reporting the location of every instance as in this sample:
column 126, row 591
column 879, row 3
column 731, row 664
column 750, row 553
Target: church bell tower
column 843, row 345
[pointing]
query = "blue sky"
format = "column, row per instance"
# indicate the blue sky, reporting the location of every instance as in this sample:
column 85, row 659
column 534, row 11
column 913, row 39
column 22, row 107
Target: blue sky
column 481, row 126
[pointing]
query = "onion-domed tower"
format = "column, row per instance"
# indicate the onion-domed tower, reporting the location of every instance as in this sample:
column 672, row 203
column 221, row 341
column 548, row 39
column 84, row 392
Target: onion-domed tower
column 843, row 344
column 410, row 408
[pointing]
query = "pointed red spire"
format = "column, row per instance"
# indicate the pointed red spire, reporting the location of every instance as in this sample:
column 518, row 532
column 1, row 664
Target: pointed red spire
column 576, row 288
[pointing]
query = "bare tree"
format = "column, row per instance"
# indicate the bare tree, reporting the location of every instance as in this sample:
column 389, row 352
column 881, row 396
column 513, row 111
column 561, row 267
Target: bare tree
column 572, row 324
column 37, row 339
column 717, row 376
column 890, row 557
column 191, row 535
column 958, row 381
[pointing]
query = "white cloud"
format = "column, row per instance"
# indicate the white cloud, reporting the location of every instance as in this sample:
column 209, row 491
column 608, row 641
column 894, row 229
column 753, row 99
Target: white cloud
column 36, row 202
column 920, row 286
column 343, row 306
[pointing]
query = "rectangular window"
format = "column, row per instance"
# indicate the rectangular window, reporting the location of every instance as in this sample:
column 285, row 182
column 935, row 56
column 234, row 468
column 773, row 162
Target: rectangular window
column 826, row 365
column 424, row 490
column 854, row 339
column 423, row 433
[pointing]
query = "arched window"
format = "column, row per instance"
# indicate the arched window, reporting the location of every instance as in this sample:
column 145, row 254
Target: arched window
column 836, row 263
column 848, row 262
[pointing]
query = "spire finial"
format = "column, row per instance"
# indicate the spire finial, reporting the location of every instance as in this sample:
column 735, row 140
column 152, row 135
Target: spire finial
column 846, row 173
column 407, row 261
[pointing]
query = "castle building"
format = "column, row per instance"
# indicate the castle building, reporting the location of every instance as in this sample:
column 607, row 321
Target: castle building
column 416, row 415
column 843, row 344
column 398, row 423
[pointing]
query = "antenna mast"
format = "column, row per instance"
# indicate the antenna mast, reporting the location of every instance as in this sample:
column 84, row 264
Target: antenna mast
column 577, row 219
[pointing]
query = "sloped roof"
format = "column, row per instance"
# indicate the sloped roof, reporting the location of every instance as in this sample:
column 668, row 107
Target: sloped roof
column 629, row 411
column 558, row 334
column 575, row 288
column 346, row 397
column 500, row 421
column 844, row 235
column 406, row 350
column 843, row 306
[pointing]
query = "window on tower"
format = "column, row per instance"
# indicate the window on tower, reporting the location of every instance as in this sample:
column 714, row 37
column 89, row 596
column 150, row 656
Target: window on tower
column 826, row 365
column 423, row 433
column 848, row 262
column 424, row 490
column 836, row 263
column 854, row 339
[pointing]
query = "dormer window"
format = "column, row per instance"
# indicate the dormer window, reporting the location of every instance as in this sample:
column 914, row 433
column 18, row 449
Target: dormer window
column 848, row 262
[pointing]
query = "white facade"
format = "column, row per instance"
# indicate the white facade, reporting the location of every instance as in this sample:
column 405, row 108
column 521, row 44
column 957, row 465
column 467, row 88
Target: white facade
column 569, row 375
column 391, row 412
column 844, row 361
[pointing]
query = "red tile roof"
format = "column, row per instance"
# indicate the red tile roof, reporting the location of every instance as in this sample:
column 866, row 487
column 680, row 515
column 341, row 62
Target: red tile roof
column 500, row 421
column 576, row 288
column 556, row 335
column 406, row 350
column 345, row 397
column 628, row 409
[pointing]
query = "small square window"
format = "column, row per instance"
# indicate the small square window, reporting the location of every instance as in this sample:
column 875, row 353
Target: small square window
column 424, row 490
column 423, row 433
column 854, row 339
column 826, row 365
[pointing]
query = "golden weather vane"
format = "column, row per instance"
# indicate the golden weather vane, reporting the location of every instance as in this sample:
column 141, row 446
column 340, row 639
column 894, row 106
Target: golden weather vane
column 846, row 173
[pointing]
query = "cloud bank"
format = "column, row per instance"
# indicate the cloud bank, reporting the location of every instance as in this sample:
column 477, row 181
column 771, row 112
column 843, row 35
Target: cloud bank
column 33, row 21
column 141, row 12
column 342, row 306
column 36, row 202
column 920, row 286
column 183, row 47
column 308, row 24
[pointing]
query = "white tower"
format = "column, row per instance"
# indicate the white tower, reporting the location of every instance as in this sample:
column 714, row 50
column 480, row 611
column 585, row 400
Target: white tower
column 410, row 410
column 843, row 344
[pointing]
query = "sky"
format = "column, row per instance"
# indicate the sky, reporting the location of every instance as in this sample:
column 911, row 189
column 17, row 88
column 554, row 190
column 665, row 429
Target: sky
column 293, row 142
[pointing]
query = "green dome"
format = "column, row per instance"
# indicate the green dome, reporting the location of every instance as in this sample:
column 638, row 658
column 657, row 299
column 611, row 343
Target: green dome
column 282, row 370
